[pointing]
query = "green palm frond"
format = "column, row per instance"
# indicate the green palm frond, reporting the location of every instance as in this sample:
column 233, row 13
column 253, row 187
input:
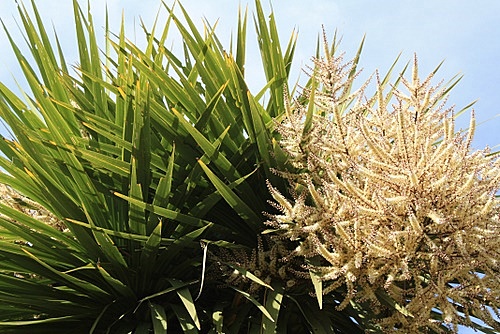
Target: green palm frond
column 139, row 154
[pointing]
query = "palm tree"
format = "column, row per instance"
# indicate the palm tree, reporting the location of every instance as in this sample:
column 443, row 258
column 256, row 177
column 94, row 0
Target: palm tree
column 136, row 194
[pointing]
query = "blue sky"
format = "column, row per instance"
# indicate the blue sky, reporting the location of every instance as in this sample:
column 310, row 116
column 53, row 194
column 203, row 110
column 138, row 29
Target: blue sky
column 465, row 34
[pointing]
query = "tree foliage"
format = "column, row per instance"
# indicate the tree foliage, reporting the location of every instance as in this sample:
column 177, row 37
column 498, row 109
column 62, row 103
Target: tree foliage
column 135, row 194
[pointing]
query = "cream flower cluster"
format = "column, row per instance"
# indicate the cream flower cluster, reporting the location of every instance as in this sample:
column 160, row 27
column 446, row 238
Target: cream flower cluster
column 15, row 200
column 393, row 200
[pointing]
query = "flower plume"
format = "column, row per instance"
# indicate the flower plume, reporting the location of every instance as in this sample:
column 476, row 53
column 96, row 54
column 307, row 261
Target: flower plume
column 393, row 200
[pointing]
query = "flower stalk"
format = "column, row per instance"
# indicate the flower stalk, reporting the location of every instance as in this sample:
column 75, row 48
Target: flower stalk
column 394, row 201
